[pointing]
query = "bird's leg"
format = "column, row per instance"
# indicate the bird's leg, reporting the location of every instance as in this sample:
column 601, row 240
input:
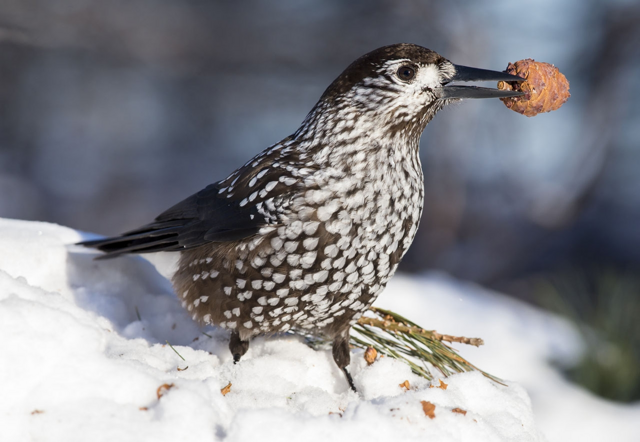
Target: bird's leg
column 342, row 355
column 237, row 346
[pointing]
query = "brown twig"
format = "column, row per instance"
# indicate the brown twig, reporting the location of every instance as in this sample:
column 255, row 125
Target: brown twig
column 393, row 326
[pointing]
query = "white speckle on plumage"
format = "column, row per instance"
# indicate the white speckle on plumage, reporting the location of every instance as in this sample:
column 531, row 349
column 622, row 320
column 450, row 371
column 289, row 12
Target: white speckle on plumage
column 353, row 277
column 325, row 212
column 308, row 259
column 262, row 300
column 278, row 277
column 268, row 285
column 256, row 284
column 227, row 314
column 294, row 230
column 310, row 243
column 339, row 263
column 310, row 227
column 240, row 283
column 270, row 185
column 298, row 285
column 321, row 276
column 276, row 243
column 331, row 250
column 368, row 269
column 275, row 260
column 227, row 290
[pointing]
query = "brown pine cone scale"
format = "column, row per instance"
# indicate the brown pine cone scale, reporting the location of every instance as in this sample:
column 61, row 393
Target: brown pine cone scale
column 545, row 88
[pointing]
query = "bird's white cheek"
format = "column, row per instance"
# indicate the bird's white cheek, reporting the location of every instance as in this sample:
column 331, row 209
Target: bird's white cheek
column 429, row 77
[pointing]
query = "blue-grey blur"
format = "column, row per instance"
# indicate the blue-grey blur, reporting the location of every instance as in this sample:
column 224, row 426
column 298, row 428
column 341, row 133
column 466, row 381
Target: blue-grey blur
column 112, row 111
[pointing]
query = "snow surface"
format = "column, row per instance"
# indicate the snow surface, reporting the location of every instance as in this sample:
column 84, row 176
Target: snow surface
column 83, row 353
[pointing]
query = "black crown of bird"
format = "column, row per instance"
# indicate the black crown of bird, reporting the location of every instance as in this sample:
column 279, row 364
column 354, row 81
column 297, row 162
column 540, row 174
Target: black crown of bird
column 307, row 233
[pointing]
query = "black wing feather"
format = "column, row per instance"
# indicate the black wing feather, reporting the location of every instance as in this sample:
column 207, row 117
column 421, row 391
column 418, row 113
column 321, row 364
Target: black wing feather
column 211, row 215
column 200, row 219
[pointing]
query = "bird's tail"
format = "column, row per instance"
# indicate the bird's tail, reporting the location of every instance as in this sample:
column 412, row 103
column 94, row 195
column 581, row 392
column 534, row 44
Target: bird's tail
column 154, row 237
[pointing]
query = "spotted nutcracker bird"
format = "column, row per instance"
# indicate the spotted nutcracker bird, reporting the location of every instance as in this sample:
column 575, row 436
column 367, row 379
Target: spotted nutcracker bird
column 307, row 233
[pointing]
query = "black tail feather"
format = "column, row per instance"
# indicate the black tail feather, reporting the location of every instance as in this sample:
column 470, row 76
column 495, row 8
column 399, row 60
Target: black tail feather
column 155, row 237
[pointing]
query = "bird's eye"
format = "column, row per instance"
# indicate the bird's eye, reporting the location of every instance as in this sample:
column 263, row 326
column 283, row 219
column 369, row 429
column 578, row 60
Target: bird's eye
column 406, row 73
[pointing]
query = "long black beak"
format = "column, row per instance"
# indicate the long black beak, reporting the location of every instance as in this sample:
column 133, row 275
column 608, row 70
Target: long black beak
column 465, row 73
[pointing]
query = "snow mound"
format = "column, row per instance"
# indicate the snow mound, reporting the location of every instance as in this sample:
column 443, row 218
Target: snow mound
column 84, row 351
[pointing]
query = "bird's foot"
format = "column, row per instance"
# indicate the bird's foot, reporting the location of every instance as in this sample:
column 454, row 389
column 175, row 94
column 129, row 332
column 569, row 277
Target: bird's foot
column 349, row 379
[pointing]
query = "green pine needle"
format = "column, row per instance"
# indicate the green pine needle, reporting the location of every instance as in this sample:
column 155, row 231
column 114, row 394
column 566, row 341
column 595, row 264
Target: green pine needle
column 423, row 350
column 175, row 351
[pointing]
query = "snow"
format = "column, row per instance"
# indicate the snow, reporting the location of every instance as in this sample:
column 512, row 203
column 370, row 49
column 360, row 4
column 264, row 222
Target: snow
column 83, row 346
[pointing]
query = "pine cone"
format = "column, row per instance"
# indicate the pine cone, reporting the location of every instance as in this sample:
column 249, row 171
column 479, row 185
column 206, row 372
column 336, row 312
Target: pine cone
column 546, row 89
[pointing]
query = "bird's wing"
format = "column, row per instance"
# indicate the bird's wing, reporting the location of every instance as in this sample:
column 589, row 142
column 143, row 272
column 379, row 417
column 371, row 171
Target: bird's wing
column 253, row 197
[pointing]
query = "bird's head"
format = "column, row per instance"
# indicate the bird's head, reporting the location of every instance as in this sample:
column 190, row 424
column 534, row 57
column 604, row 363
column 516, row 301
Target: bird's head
column 399, row 88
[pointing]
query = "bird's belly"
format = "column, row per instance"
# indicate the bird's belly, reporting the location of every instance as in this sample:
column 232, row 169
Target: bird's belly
column 318, row 272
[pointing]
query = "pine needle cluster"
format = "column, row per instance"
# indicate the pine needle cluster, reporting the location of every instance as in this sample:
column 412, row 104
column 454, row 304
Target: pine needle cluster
column 423, row 350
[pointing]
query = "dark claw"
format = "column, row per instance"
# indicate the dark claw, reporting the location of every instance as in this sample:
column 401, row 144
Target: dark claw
column 237, row 346
column 349, row 379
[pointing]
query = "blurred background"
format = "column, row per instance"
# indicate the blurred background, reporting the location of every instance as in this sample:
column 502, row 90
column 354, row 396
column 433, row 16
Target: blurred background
column 110, row 112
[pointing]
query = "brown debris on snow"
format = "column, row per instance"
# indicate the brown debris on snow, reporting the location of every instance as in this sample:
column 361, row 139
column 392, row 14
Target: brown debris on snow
column 429, row 409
